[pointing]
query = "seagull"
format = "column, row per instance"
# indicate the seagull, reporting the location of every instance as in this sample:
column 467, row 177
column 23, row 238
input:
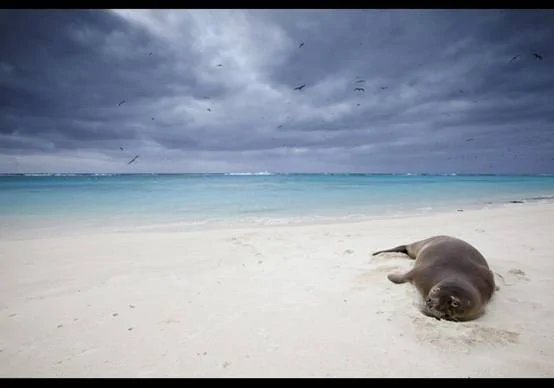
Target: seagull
column 359, row 89
column 209, row 110
column 132, row 160
column 360, row 81
column 301, row 44
column 470, row 139
column 121, row 102
column 461, row 91
column 384, row 87
column 152, row 118
column 538, row 56
column 121, row 148
column 220, row 65
column 149, row 53
column 514, row 58
column 300, row 87
column 280, row 126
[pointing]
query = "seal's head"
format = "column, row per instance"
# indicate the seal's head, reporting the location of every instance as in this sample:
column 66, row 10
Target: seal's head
column 451, row 301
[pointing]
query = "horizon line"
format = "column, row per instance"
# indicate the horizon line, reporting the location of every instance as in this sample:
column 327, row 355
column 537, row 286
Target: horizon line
column 262, row 173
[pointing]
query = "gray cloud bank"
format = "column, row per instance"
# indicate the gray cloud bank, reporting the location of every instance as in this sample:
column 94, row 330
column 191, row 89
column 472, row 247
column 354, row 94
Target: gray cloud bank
column 213, row 90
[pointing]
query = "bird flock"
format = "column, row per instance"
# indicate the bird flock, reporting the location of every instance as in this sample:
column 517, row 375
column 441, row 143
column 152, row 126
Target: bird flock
column 359, row 89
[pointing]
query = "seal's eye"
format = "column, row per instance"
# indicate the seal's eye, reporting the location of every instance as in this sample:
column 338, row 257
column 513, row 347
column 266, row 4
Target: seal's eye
column 454, row 304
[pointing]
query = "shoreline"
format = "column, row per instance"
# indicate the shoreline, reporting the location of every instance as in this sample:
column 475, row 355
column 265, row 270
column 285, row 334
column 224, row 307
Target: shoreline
column 74, row 229
column 296, row 301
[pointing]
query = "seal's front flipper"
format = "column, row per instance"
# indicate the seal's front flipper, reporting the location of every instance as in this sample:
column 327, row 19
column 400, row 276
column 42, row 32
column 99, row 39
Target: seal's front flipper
column 398, row 249
column 496, row 288
column 398, row 278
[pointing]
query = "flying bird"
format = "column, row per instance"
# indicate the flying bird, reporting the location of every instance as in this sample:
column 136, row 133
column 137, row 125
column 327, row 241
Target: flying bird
column 301, row 44
column 470, row 139
column 132, row 160
column 280, row 126
column 359, row 89
column 152, row 118
column 384, row 87
column 121, row 102
column 209, row 110
column 300, row 87
column 360, row 81
column 538, row 56
column 121, row 148
column 149, row 53
column 514, row 58
column 220, row 65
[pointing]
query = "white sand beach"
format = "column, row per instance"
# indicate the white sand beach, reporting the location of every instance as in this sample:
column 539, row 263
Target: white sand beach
column 288, row 301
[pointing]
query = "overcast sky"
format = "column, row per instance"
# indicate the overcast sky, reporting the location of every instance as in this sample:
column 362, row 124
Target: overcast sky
column 213, row 91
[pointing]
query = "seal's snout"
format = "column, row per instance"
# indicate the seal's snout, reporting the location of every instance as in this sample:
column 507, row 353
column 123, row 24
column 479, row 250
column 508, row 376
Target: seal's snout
column 429, row 302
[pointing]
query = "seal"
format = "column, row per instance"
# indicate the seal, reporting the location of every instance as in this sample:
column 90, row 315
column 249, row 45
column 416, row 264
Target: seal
column 453, row 277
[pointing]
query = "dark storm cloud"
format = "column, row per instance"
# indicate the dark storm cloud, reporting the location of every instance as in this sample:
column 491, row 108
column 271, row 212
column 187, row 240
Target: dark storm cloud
column 213, row 90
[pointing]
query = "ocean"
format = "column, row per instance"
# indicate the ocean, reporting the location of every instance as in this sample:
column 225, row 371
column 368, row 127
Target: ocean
column 59, row 203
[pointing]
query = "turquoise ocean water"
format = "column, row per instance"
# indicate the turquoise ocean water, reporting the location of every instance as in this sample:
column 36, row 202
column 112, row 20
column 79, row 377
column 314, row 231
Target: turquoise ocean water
column 120, row 202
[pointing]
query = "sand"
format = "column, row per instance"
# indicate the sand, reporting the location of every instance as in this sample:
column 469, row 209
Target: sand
column 294, row 301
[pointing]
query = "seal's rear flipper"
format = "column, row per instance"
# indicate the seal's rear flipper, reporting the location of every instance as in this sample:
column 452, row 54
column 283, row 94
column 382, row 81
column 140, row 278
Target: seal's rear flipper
column 398, row 249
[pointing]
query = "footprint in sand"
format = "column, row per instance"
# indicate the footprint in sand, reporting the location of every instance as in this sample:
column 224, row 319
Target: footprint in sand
column 380, row 270
column 240, row 244
column 365, row 279
column 514, row 275
column 532, row 305
column 518, row 273
column 491, row 336
column 362, row 280
column 348, row 252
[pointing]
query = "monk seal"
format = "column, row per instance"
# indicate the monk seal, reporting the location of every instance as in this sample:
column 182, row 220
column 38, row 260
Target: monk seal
column 452, row 276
